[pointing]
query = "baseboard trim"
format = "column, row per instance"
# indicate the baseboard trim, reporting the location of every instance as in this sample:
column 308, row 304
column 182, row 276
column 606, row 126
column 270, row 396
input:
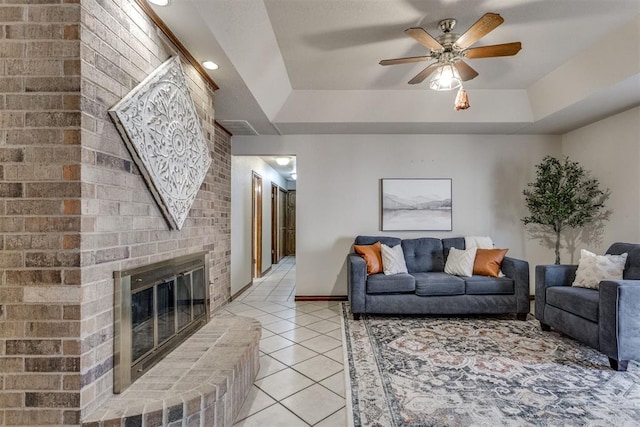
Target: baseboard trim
column 244, row 288
column 321, row 298
column 341, row 297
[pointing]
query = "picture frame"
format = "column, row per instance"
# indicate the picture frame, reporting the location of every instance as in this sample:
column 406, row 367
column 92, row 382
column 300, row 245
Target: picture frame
column 416, row 204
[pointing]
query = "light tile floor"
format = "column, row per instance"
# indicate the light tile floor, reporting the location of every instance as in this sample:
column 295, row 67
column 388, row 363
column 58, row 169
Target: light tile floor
column 301, row 381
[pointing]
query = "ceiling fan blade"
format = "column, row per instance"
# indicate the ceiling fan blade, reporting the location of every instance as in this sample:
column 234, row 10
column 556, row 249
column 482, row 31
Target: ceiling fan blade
column 404, row 60
column 465, row 71
column 419, row 78
column 483, row 26
column 424, row 38
column 506, row 49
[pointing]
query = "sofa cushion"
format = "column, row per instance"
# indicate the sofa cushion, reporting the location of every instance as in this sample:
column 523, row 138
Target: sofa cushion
column 632, row 267
column 488, row 262
column 372, row 255
column 370, row 240
column 594, row 268
column 452, row 242
column 438, row 283
column 423, row 255
column 460, row 262
column 393, row 260
column 582, row 302
column 485, row 285
column 397, row 283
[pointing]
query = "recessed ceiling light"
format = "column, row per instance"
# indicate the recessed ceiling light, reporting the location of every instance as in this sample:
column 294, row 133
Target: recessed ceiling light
column 283, row 161
column 160, row 2
column 210, row 65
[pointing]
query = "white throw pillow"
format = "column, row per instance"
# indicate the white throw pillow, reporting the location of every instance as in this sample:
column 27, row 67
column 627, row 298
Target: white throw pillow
column 393, row 260
column 480, row 242
column 593, row 268
column 460, row 262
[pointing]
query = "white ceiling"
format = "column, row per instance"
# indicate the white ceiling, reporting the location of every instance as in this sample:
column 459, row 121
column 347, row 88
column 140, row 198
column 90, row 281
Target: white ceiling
column 311, row 66
column 284, row 170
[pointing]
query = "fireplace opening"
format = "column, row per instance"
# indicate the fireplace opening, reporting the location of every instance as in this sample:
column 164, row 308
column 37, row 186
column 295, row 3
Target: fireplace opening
column 157, row 307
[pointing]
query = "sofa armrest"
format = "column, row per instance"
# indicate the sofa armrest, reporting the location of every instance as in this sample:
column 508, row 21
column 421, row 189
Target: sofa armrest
column 548, row 276
column 518, row 271
column 619, row 323
column 356, row 278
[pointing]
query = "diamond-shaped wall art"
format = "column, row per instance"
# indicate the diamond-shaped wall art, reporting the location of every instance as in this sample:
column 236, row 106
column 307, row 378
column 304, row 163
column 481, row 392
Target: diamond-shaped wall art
column 158, row 122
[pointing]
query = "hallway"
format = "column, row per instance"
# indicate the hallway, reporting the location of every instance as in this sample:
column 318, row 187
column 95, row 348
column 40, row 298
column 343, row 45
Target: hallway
column 279, row 284
column 301, row 381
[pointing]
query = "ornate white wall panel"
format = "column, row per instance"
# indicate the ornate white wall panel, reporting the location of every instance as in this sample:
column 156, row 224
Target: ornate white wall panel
column 158, row 122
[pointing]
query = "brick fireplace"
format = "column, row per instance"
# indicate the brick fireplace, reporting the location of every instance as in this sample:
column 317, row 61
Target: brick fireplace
column 156, row 308
column 74, row 207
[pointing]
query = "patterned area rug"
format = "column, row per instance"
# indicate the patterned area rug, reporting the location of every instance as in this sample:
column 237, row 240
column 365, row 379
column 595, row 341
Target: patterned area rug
column 481, row 371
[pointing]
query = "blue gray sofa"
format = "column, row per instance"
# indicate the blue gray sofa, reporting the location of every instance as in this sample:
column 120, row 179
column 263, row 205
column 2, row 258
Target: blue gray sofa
column 607, row 319
column 427, row 289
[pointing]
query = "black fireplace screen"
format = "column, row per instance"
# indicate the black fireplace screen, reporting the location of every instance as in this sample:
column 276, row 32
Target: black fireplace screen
column 142, row 332
column 157, row 307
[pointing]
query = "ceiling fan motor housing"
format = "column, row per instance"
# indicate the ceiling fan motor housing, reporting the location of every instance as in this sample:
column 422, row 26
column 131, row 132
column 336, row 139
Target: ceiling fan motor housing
column 446, row 25
column 447, row 40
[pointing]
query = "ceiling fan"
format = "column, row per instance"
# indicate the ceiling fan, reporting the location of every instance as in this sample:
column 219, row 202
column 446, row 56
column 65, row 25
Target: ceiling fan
column 449, row 49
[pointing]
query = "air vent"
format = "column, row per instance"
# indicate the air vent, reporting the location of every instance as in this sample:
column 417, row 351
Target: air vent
column 238, row 127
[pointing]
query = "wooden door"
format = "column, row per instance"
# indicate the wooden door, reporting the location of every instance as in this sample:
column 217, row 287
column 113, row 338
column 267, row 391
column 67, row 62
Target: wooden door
column 282, row 203
column 256, row 225
column 275, row 227
column 290, row 223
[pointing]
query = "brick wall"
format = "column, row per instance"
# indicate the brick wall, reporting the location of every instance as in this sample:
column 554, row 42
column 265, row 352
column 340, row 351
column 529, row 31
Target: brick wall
column 40, row 193
column 220, row 271
column 74, row 207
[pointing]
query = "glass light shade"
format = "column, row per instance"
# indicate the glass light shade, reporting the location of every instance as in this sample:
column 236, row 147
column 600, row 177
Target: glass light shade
column 160, row 2
column 283, row 161
column 445, row 78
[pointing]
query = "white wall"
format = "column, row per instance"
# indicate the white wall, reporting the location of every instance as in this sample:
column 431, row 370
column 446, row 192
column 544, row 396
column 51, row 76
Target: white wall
column 610, row 150
column 338, row 191
column 581, row 77
column 242, row 168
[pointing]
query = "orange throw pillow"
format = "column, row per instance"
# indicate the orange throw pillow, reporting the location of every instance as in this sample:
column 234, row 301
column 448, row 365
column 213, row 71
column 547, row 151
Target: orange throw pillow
column 488, row 261
column 372, row 255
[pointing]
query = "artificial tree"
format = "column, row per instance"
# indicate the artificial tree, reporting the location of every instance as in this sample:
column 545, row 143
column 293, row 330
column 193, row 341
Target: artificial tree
column 564, row 195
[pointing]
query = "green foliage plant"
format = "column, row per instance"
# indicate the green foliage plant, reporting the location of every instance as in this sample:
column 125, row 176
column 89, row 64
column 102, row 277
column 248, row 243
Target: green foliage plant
column 563, row 196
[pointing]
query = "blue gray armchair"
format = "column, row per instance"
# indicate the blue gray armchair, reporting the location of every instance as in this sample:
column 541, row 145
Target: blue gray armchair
column 607, row 319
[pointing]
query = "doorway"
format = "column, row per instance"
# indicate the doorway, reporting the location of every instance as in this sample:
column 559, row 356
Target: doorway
column 282, row 204
column 256, row 225
column 278, row 203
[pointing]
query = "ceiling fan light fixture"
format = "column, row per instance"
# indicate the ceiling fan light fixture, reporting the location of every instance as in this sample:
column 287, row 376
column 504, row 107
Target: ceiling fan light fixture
column 283, row 161
column 446, row 77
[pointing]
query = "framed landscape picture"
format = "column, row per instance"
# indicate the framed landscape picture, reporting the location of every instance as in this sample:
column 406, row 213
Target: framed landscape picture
column 416, row 204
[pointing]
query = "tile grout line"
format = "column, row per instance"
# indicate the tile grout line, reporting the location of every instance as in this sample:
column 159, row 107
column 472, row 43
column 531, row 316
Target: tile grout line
column 277, row 402
column 269, row 306
column 330, row 415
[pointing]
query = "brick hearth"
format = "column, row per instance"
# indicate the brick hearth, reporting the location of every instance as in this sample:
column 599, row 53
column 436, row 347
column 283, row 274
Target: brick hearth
column 203, row 382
